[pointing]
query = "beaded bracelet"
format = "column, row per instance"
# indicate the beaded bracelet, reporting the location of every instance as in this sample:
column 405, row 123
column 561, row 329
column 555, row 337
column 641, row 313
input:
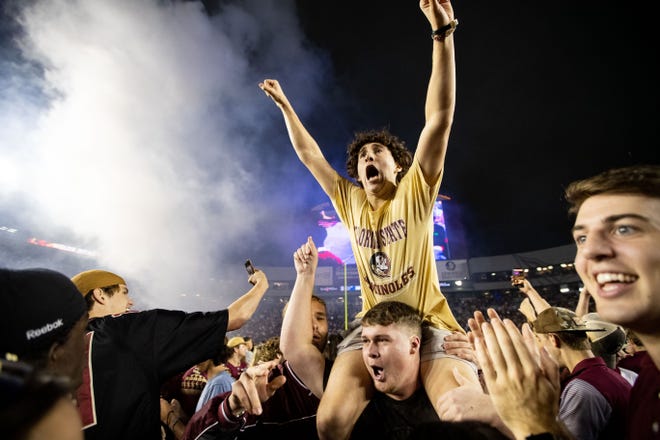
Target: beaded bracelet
column 444, row 31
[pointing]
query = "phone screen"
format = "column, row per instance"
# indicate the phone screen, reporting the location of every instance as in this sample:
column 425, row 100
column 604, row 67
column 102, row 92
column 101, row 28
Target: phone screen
column 517, row 277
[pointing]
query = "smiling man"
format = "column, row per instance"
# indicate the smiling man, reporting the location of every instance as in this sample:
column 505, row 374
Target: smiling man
column 617, row 232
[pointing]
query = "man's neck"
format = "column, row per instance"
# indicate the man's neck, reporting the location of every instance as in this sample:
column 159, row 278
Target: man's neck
column 97, row 312
column 235, row 361
column 385, row 195
column 573, row 357
column 405, row 391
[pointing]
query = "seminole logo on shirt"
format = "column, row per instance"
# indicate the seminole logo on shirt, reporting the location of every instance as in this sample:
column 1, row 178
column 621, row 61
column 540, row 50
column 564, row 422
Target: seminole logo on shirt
column 381, row 264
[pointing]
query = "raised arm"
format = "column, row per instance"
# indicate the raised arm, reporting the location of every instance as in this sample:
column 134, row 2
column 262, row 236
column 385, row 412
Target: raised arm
column 306, row 148
column 441, row 93
column 537, row 301
column 244, row 307
column 582, row 307
column 305, row 358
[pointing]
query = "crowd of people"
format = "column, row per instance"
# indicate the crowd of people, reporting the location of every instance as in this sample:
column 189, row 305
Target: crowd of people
column 79, row 363
column 266, row 321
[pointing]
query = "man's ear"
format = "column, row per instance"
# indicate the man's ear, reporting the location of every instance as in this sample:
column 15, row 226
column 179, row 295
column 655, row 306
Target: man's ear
column 415, row 344
column 54, row 353
column 99, row 295
column 556, row 342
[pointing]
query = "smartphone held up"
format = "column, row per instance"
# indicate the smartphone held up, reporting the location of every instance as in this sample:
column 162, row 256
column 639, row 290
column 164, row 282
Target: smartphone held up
column 249, row 267
column 518, row 277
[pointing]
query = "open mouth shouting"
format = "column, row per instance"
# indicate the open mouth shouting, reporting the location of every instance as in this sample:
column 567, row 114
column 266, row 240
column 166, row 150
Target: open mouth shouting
column 371, row 172
column 377, row 373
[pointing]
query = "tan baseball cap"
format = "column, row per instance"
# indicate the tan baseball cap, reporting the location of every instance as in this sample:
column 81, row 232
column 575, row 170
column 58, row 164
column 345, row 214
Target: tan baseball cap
column 95, row 278
column 235, row 341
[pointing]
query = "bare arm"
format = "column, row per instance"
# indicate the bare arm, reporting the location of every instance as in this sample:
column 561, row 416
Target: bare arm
column 440, row 95
column 297, row 332
column 582, row 307
column 538, row 302
column 527, row 309
column 306, row 148
column 244, row 307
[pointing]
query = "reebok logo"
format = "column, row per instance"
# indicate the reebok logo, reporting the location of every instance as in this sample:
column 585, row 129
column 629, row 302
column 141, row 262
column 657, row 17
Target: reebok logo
column 31, row 334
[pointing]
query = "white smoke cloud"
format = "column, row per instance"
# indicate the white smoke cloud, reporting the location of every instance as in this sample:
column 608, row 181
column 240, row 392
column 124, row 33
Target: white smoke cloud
column 138, row 127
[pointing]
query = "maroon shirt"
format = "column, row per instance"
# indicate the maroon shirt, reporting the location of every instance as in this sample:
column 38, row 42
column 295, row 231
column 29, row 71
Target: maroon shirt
column 634, row 362
column 234, row 370
column 582, row 412
column 644, row 408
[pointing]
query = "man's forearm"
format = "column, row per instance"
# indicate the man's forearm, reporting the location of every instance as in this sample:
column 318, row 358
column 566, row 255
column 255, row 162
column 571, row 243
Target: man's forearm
column 296, row 327
column 441, row 91
column 303, row 143
column 244, row 307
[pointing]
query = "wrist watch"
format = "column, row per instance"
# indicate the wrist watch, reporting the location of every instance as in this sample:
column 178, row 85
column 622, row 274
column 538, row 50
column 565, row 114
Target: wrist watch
column 445, row 30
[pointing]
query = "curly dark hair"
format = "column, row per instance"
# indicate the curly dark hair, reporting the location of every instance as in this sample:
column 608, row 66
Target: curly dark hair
column 267, row 350
column 402, row 156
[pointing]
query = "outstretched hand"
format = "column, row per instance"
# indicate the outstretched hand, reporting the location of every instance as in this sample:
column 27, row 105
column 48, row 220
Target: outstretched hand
column 475, row 328
column 437, row 12
column 257, row 277
column 527, row 288
column 523, row 383
column 272, row 89
column 459, row 344
column 252, row 388
column 306, row 257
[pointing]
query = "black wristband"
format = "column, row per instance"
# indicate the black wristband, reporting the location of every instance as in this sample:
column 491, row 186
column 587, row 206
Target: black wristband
column 445, row 30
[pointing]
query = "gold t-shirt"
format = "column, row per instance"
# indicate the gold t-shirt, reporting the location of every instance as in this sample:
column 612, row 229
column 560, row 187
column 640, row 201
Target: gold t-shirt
column 393, row 246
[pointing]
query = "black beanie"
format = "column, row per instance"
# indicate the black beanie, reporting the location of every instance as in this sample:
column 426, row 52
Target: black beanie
column 40, row 306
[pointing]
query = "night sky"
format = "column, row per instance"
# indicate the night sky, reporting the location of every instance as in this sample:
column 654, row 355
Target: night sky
column 546, row 93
